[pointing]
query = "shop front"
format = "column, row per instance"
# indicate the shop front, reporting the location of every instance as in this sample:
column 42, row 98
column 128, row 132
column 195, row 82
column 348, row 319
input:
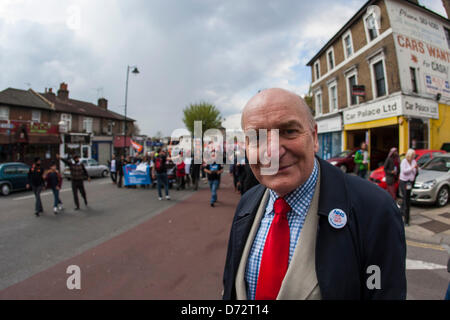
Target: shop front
column 122, row 145
column 77, row 144
column 397, row 121
column 102, row 149
column 23, row 141
column 330, row 135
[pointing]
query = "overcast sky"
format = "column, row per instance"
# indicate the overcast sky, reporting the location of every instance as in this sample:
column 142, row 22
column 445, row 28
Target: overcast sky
column 222, row 52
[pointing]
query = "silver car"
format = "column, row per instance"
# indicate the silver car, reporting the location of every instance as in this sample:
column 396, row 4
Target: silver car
column 92, row 167
column 433, row 182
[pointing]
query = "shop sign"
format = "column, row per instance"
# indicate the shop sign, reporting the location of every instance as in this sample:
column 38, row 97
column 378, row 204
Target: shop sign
column 329, row 125
column 385, row 108
column 417, row 107
column 415, row 23
column 435, row 85
column 358, row 90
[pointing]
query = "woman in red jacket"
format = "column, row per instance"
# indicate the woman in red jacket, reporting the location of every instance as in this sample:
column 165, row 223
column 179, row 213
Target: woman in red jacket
column 181, row 172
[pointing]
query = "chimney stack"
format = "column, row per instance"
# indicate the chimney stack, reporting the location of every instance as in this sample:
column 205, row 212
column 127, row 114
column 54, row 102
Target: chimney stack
column 63, row 93
column 51, row 94
column 103, row 103
column 446, row 4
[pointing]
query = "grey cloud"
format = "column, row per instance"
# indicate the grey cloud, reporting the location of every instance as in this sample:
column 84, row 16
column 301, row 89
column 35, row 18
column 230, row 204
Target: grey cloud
column 187, row 51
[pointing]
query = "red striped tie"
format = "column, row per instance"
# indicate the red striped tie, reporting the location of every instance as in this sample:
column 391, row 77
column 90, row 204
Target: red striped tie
column 275, row 257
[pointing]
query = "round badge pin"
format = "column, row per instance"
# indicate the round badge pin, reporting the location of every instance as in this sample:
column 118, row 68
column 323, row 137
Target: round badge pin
column 337, row 218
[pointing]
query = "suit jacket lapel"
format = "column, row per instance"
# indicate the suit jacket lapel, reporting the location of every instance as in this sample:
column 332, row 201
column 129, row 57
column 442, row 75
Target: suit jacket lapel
column 241, row 291
column 301, row 280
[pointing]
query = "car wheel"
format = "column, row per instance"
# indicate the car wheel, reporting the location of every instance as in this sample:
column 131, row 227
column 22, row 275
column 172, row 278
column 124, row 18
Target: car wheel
column 6, row 189
column 442, row 197
column 343, row 168
column 105, row 173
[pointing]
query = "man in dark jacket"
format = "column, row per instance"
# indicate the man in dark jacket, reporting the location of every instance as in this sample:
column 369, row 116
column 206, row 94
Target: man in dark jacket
column 308, row 231
column 120, row 163
column 77, row 174
column 36, row 182
column 391, row 170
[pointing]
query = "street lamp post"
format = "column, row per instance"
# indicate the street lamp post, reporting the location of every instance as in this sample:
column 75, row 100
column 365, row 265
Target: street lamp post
column 135, row 71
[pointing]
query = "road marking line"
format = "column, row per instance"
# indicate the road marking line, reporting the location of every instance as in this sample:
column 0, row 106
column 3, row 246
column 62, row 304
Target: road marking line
column 424, row 245
column 422, row 265
column 42, row 194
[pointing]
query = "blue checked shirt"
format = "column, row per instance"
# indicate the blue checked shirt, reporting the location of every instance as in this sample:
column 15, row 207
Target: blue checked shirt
column 299, row 200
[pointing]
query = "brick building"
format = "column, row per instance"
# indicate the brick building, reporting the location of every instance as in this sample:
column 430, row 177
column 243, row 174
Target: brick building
column 89, row 130
column 26, row 127
column 383, row 78
column 43, row 124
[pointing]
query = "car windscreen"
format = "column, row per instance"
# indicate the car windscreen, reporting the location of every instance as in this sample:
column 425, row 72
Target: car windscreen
column 438, row 164
column 343, row 154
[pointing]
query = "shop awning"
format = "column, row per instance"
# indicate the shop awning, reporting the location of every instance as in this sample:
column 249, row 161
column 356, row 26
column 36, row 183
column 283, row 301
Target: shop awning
column 121, row 142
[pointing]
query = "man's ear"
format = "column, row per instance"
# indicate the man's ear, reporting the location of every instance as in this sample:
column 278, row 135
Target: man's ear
column 316, row 139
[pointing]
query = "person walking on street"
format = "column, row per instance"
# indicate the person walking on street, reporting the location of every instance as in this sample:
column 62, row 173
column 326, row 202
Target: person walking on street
column 53, row 181
column 77, row 174
column 120, row 165
column 181, row 173
column 160, row 174
column 214, row 171
column 188, row 178
column 362, row 161
column 36, row 182
column 113, row 169
column 391, row 169
column 408, row 171
column 195, row 174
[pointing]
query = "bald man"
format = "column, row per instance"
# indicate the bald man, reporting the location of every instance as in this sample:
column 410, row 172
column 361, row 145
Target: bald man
column 309, row 231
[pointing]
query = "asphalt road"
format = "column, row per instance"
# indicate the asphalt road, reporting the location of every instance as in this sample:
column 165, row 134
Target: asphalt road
column 129, row 245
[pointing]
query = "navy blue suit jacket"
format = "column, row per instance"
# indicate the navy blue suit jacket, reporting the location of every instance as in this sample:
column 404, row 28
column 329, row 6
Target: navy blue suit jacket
column 374, row 235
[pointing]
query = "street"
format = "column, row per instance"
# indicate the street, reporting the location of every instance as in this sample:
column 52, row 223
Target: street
column 129, row 245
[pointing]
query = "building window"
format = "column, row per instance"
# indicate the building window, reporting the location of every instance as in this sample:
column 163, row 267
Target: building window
column 318, row 101
column 348, row 45
column 87, row 125
column 110, row 127
column 418, row 133
column 67, row 118
column 413, row 79
column 332, row 93
column 371, row 27
column 317, row 70
column 36, row 116
column 330, row 59
column 379, row 78
column 447, row 36
column 4, row 113
column 352, row 82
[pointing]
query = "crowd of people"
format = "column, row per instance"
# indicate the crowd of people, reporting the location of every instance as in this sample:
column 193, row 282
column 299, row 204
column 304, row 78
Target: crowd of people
column 401, row 172
column 167, row 170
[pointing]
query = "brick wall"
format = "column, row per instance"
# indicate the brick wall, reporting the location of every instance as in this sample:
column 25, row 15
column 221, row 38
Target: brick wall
column 363, row 68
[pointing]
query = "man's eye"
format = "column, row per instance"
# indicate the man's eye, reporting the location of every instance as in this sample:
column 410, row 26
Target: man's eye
column 289, row 131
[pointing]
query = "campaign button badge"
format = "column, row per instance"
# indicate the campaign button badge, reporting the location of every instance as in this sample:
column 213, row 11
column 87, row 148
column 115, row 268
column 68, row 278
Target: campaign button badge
column 337, row 218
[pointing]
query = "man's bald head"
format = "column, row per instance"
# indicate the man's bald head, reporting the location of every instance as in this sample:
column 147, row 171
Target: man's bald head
column 276, row 96
column 288, row 120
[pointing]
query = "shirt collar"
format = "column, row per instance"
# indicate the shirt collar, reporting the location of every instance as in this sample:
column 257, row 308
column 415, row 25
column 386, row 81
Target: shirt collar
column 298, row 195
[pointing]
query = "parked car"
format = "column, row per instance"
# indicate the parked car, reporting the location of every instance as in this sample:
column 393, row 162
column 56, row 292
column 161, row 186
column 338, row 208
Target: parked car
column 344, row 160
column 378, row 176
column 92, row 167
column 13, row 177
column 446, row 147
column 433, row 182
